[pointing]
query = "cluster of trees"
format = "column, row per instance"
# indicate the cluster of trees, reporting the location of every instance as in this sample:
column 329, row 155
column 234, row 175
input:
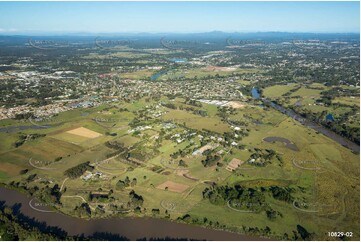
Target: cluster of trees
column 26, row 137
column 273, row 214
column 249, row 199
column 338, row 126
column 31, row 177
column 290, row 92
column 123, row 110
column 237, row 122
column 182, row 163
column 187, row 218
column 155, row 211
column 20, row 116
column 136, row 201
column 224, row 112
column 126, row 183
column 189, row 109
column 78, row 170
column 185, row 151
column 15, row 226
column 239, row 197
column 230, row 136
column 192, row 102
column 170, row 105
column 178, row 153
column 210, row 160
column 83, row 210
column 264, row 157
column 351, row 133
column 115, row 145
column 341, row 125
column 51, row 195
column 304, row 234
column 101, row 196
column 339, row 91
column 202, row 113
column 142, row 153
column 282, row 193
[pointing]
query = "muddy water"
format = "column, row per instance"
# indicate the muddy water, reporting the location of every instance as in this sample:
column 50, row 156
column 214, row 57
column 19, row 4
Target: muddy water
column 287, row 143
column 132, row 228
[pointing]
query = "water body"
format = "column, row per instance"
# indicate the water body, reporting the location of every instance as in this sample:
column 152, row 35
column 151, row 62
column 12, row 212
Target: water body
column 255, row 93
column 13, row 129
column 308, row 123
column 330, row 118
column 132, row 228
column 158, row 74
column 287, row 143
column 35, row 125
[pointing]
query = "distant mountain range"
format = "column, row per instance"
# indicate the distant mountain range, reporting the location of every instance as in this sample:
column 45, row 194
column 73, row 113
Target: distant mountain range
column 210, row 34
column 154, row 38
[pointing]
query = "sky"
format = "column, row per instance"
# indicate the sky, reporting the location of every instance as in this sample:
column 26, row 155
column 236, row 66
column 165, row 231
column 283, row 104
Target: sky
column 184, row 17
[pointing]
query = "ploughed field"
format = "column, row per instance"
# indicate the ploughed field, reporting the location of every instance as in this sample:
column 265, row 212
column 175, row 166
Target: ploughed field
column 248, row 169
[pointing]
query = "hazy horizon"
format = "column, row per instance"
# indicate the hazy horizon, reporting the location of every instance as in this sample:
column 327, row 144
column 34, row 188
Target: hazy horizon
column 115, row 34
column 178, row 17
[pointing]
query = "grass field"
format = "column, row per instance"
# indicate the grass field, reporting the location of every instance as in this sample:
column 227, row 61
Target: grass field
column 336, row 184
column 196, row 122
column 207, row 71
column 354, row 101
column 138, row 75
column 277, row 90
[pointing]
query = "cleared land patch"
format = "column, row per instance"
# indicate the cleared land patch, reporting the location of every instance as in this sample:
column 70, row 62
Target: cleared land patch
column 235, row 104
column 173, row 186
column 234, row 164
column 10, row 169
column 84, row 132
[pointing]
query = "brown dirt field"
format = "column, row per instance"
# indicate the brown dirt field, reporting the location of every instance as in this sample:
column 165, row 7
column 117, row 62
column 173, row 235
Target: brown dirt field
column 10, row 169
column 206, row 147
column 172, row 186
column 235, row 104
column 84, row 132
column 234, row 164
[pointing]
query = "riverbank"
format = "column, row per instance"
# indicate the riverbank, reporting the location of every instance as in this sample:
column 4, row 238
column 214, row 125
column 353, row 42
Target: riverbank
column 132, row 228
column 308, row 123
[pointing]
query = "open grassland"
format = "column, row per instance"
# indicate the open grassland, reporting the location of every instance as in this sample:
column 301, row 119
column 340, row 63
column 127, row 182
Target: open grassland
column 334, row 184
column 277, row 90
column 351, row 101
column 207, row 71
column 307, row 92
column 117, row 54
column 138, row 75
column 195, row 121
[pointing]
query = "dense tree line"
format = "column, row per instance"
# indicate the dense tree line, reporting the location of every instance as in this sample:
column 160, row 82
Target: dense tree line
column 26, row 137
column 78, row 170
column 14, row 226
column 238, row 196
column 210, row 160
